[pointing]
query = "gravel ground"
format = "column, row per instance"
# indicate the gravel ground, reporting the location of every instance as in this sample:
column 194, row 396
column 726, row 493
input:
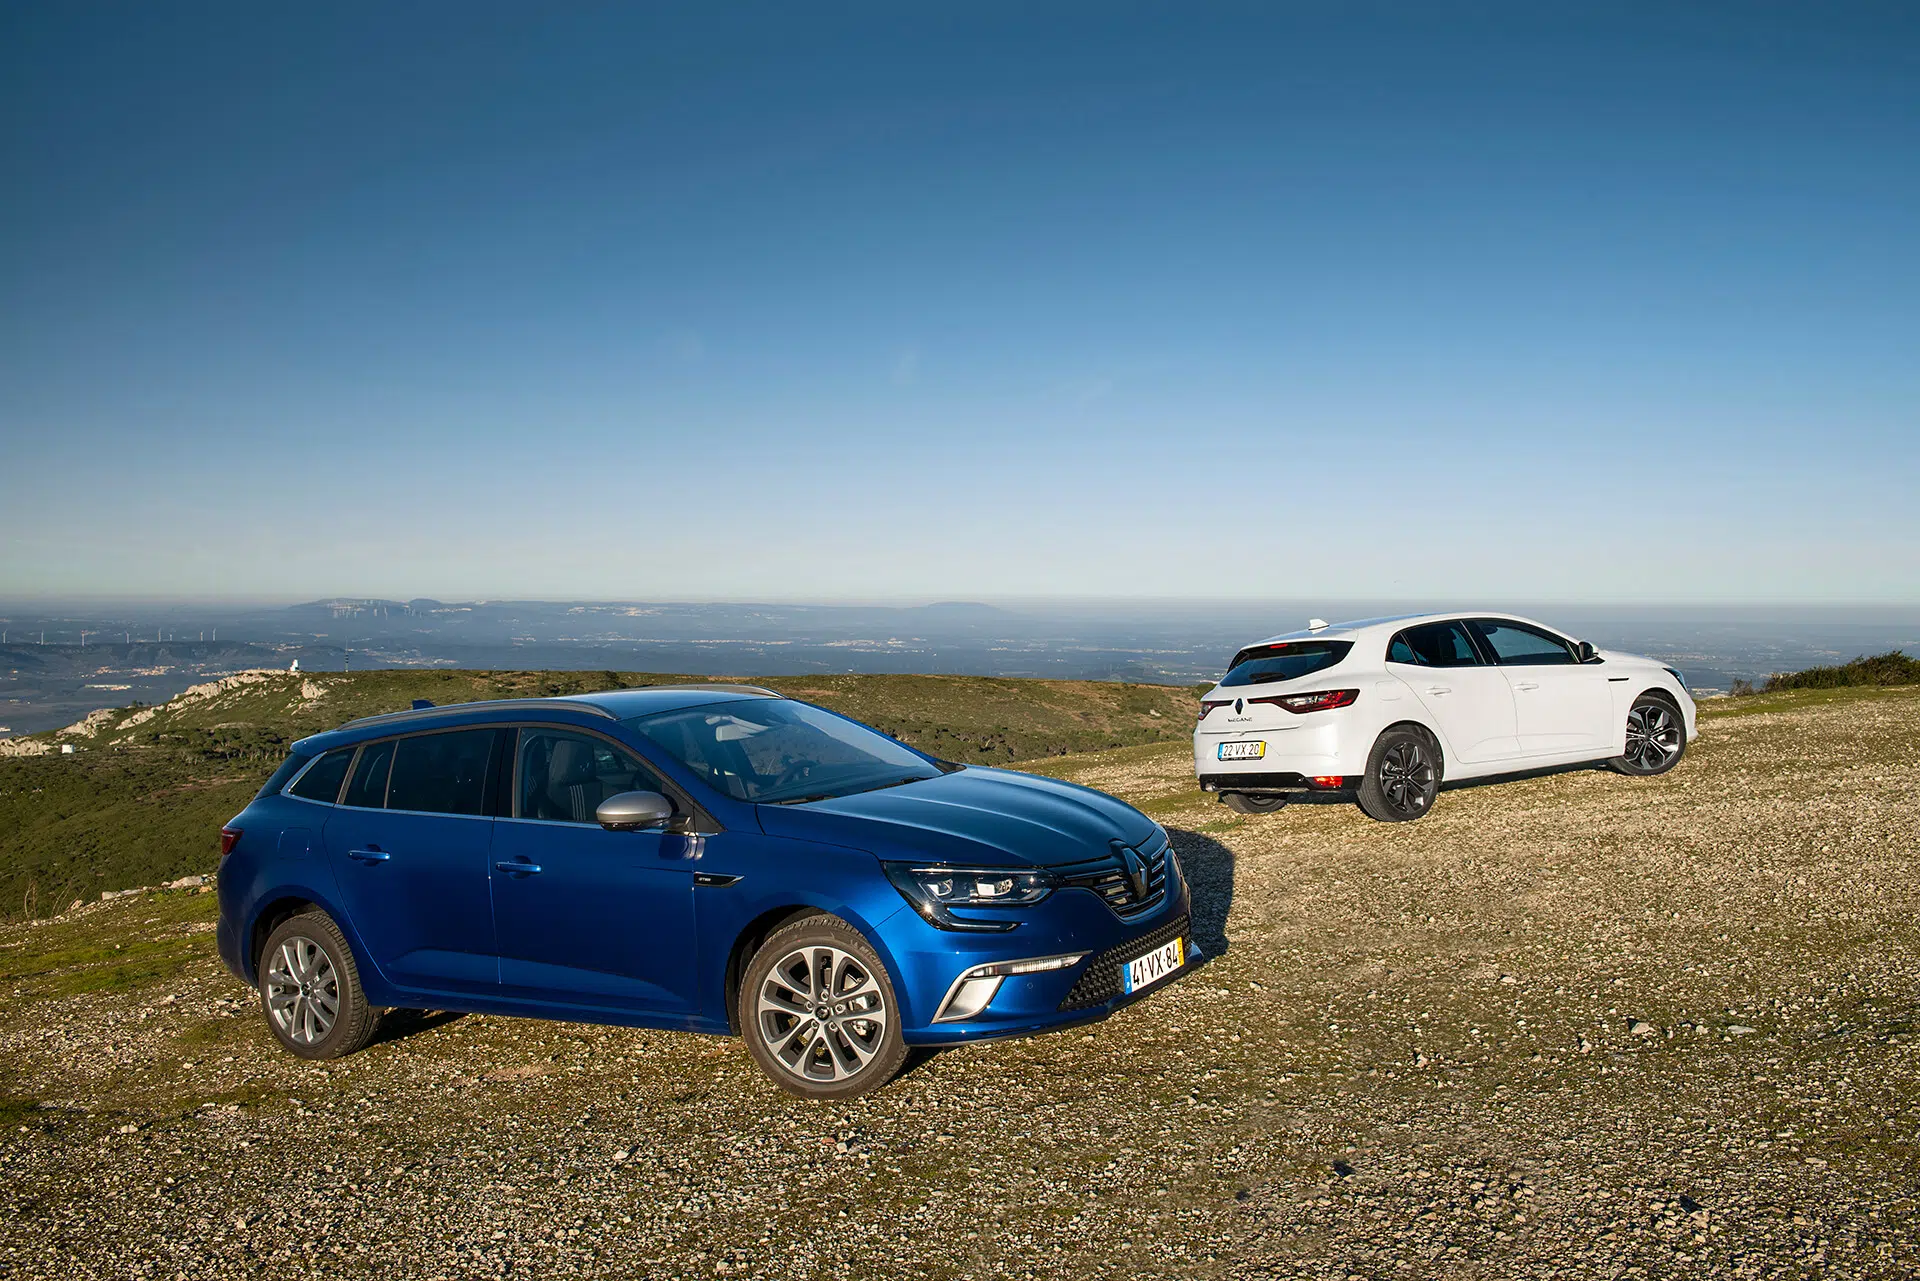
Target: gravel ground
column 1572, row 1025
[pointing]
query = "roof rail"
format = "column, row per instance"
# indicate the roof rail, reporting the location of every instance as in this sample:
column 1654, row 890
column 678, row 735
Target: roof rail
column 718, row 687
column 490, row 704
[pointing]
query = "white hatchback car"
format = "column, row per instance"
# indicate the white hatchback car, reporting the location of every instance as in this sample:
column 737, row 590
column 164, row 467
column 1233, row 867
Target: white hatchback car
column 1383, row 709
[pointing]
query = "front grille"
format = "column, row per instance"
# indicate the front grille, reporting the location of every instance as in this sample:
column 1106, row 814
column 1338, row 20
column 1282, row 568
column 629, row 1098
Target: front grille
column 1100, row 981
column 1112, row 877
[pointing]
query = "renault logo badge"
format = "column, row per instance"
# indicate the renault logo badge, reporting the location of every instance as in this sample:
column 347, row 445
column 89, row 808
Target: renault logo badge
column 1136, row 871
column 1239, row 706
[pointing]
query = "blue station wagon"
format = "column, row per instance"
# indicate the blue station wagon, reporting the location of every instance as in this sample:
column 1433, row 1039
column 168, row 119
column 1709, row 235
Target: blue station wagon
column 717, row 859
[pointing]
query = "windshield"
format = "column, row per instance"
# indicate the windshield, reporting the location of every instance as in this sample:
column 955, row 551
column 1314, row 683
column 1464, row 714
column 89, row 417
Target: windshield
column 773, row 750
column 1264, row 664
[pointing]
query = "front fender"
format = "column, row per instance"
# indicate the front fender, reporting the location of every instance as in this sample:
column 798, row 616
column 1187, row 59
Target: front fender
column 777, row 874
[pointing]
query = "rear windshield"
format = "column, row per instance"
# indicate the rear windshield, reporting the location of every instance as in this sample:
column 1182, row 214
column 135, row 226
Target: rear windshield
column 1264, row 664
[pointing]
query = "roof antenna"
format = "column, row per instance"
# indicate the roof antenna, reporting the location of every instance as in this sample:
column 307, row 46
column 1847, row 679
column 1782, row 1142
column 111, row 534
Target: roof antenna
column 1316, row 624
column 422, row 704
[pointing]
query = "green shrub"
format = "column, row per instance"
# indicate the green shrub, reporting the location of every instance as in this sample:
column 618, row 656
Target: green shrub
column 1893, row 668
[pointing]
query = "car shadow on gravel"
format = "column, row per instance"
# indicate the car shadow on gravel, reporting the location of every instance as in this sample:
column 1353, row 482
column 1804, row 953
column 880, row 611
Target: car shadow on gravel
column 1209, row 868
column 397, row 1025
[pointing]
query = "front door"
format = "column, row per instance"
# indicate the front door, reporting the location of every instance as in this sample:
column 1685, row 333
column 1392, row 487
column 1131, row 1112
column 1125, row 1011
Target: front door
column 1561, row 705
column 585, row 916
column 408, row 845
column 1469, row 701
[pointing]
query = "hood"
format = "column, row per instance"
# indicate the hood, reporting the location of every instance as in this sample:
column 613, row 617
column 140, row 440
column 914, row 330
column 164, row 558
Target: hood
column 975, row 815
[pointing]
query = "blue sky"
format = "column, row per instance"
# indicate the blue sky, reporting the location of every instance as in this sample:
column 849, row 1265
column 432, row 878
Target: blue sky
column 1604, row 302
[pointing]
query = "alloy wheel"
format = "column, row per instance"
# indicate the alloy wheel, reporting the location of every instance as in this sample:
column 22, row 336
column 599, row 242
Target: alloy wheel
column 302, row 990
column 1653, row 736
column 1407, row 777
column 822, row 1014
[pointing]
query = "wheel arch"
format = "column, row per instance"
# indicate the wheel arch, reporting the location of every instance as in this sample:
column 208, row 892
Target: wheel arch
column 748, row 941
column 268, row 919
column 1426, row 731
column 1665, row 695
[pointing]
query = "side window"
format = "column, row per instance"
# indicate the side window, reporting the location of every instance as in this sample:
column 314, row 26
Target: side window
column 1398, row 651
column 368, row 786
column 1436, row 645
column 322, row 782
column 441, row 773
column 1517, row 645
column 563, row 777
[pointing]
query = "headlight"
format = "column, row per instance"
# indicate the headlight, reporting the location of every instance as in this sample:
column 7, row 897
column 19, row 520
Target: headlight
column 1675, row 673
column 934, row 890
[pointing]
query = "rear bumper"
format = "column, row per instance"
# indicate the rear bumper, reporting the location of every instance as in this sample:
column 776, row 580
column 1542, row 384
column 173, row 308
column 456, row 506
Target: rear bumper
column 1249, row 781
column 1318, row 748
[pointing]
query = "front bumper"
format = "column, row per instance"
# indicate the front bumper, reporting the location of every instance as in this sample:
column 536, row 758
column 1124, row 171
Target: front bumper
column 931, row 960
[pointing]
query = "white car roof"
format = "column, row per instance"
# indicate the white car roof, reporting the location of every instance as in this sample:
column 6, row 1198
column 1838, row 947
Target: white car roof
column 1362, row 628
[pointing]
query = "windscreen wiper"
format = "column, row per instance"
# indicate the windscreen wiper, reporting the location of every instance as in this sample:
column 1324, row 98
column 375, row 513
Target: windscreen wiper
column 802, row 800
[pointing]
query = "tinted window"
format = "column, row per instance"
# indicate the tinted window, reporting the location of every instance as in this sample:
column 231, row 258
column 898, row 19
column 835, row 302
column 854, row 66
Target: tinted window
column 288, row 768
column 1265, row 664
column 1434, row 645
column 368, row 786
column 441, row 773
column 775, row 750
column 564, row 777
column 1516, row 644
column 322, row 782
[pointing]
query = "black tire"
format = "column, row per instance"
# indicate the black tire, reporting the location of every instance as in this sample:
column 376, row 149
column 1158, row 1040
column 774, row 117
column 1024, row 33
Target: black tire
column 305, row 968
column 830, row 1051
column 1403, row 776
column 1656, row 738
column 1241, row 803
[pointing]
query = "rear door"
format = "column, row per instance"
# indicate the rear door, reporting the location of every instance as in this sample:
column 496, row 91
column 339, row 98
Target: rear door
column 408, row 846
column 1561, row 705
column 588, row 917
column 1468, row 699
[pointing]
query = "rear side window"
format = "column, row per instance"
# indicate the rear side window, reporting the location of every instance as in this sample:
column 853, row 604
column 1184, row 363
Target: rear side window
column 322, row 782
column 368, row 786
column 441, row 773
column 1517, row 645
column 288, row 768
column 1265, row 664
column 1434, row 645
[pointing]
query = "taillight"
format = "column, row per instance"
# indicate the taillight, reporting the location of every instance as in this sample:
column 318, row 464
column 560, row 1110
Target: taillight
column 228, row 835
column 1207, row 705
column 1325, row 700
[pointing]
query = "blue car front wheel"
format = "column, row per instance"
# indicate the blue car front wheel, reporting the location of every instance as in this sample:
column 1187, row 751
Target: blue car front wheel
column 819, row 1013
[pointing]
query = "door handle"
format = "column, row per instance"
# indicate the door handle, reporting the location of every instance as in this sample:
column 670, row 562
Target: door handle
column 1439, row 689
column 517, row 867
column 1526, row 684
column 374, row 855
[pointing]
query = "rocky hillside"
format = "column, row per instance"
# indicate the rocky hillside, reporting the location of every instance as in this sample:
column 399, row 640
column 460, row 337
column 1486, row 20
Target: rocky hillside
column 1569, row 1026
column 140, row 798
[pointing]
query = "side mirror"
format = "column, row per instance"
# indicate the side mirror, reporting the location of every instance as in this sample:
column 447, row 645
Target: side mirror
column 1586, row 652
column 634, row 811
